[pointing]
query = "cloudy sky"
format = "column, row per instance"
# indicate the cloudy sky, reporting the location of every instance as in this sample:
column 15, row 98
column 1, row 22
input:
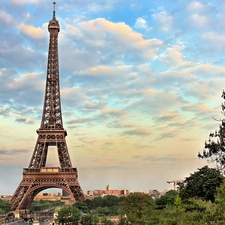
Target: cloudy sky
column 141, row 82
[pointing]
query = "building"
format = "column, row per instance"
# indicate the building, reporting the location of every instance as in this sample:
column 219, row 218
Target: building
column 48, row 197
column 108, row 191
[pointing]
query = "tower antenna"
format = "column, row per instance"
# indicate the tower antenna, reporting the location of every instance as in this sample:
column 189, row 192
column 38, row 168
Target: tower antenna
column 54, row 7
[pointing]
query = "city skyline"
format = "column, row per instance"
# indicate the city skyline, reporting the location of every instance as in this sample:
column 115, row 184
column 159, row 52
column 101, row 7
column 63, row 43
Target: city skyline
column 140, row 85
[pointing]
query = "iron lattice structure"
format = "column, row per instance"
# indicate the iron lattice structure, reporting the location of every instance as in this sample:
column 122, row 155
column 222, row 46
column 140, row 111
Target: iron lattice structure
column 37, row 177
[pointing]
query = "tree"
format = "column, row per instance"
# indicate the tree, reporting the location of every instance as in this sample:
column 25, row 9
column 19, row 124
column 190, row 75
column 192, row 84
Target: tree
column 82, row 206
column 104, row 221
column 108, row 205
column 101, row 211
column 166, row 199
column 69, row 215
column 89, row 219
column 215, row 146
column 4, row 206
column 201, row 184
column 136, row 206
column 216, row 211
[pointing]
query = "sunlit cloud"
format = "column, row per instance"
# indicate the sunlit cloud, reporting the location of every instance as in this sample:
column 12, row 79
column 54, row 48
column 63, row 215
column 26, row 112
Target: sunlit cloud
column 31, row 31
column 138, row 80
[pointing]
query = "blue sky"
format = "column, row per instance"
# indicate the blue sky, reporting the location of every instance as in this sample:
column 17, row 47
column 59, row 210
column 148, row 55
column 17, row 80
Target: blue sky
column 140, row 84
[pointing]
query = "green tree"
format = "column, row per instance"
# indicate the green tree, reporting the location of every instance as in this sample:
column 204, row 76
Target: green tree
column 111, row 200
column 137, row 206
column 89, row 219
column 166, row 199
column 2, row 211
column 201, row 184
column 4, row 206
column 178, row 203
column 108, row 205
column 101, row 211
column 98, row 202
column 69, row 215
column 215, row 212
column 82, row 206
column 104, row 221
column 215, row 146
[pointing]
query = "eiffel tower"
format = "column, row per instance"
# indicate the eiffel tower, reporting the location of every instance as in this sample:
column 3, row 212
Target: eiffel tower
column 37, row 177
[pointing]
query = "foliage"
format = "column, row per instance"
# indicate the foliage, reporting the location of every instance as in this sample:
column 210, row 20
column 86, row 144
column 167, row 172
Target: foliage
column 104, row 221
column 194, row 212
column 189, row 215
column 215, row 146
column 184, row 208
column 166, row 199
column 69, row 214
column 139, row 209
column 83, row 206
column 89, row 219
column 195, row 204
column 4, row 206
column 201, row 184
column 101, row 211
column 123, row 221
column 137, row 206
column 2, row 211
column 178, row 203
column 103, row 206
column 107, row 201
column 216, row 211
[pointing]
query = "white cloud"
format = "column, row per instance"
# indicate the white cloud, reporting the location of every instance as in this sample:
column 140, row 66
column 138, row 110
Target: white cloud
column 7, row 19
column 164, row 20
column 102, row 5
column 200, row 7
column 196, row 6
column 200, row 15
column 21, row 2
column 141, row 23
column 106, row 43
column 122, row 36
column 214, row 41
column 89, row 6
column 200, row 21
